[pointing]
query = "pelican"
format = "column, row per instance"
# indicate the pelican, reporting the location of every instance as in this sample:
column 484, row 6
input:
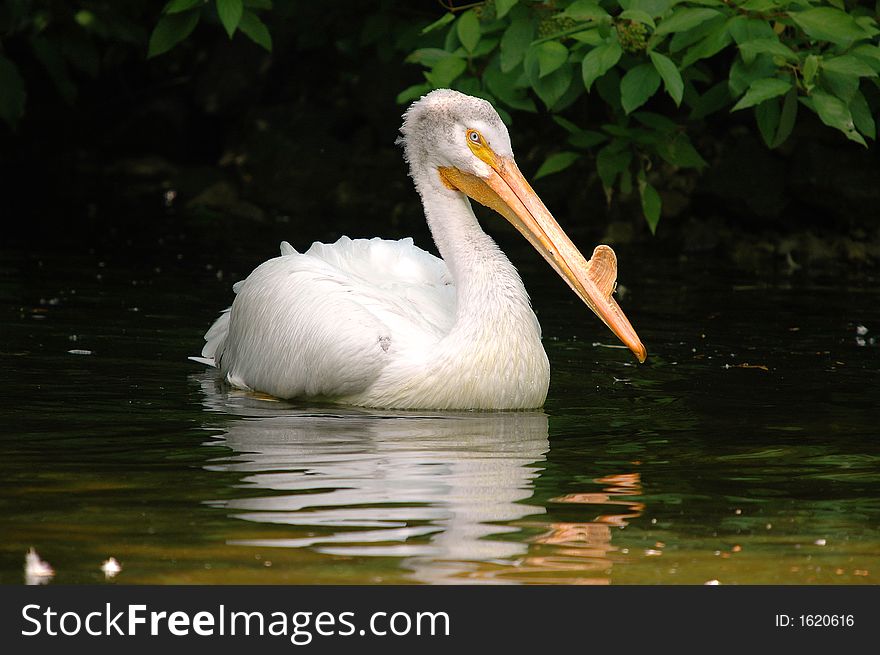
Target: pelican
column 384, row 324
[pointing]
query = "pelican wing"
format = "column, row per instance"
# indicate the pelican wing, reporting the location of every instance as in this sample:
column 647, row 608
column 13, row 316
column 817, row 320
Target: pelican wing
column 327, row 321
column 403, row 285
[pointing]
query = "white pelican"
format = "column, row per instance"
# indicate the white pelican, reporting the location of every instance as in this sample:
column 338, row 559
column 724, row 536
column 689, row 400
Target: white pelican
column 385, row 324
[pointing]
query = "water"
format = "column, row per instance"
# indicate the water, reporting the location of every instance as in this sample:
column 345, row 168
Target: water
column 745, row 451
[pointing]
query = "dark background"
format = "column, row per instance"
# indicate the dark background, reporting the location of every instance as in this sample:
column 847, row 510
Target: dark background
column 221, row 136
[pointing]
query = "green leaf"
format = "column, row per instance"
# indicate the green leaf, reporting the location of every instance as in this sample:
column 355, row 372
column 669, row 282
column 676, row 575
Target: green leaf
column 585, row 10
column 714, row 43
column 589, row 36
column 515, row 42
column 171, row 30
column 608, row 87
column 599, row 60
column 767, row 117
column 867, row 53
column 84, row 18
column 638, row 16
column 684, row 19
column 445, row 71
column 828, row 24
column 411, row 93
column 426, row 56
column 679, row 151
column 713, row 100
column 503, row 6
column 572, row 92
column 451, row 42
column 578, row 137
column 445, row 19
column 651, row 203
column 744, row 29
column 683, row 39
column 552, row 87
column 761, row 5
column 848, row 65
column 761, row 90
column 637, row 86
column 869, row 24
column 786, row 118
column 485, row 46
column 255, row 29
column 468, row 29
column 586, row 139
column 742, row 74
column 750, row 49
column 862, row 117
column 810, row 68
column 551, row 55
column 565, row 124
column 557, row 162
column 12, row 94
column 655, row 121
column 507, row 87
column 468, row 85
column 650, row 7
column 611, row 161
column 672, row 81
column 843, row 86
column 178, row 6
column 627, row 133
column 834, row 113
column 230, row 12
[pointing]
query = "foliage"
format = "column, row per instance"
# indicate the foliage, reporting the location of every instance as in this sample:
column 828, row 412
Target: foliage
column 655, row 68
column 632, row 85
column 180, row 17
column 75, row 40
column 68, row 40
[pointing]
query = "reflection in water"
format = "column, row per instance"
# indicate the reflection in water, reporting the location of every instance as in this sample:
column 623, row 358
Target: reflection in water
column 582, row 548
column 438, row 490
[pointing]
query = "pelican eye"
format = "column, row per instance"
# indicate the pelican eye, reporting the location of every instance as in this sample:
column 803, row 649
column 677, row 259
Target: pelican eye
column 474, row 136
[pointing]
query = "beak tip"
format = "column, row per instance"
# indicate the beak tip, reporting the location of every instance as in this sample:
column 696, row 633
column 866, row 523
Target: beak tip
column 640, row 352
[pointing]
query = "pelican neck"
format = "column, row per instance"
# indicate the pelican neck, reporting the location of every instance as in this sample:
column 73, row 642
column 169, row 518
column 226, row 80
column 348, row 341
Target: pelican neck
column 486, row 281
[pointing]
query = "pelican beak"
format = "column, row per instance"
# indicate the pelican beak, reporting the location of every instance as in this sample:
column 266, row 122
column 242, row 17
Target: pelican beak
column 506, row 191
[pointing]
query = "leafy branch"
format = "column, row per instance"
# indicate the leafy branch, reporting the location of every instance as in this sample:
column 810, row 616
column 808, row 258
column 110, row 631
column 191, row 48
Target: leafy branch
column 771, row 57
column 180, row 17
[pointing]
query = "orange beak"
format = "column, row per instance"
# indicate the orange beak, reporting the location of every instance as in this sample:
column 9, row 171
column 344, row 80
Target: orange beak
column 506, row 191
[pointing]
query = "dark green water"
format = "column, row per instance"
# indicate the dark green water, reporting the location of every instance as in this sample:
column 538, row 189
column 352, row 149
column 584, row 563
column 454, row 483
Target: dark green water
column 745, row 451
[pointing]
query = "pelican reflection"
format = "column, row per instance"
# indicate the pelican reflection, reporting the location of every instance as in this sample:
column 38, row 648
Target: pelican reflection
column 437, row 489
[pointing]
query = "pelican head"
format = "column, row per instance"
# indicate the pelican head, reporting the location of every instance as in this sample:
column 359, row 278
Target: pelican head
column 463, row 143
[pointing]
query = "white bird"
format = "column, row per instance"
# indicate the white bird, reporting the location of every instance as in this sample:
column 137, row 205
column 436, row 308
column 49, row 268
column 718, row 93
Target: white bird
column 385, row 324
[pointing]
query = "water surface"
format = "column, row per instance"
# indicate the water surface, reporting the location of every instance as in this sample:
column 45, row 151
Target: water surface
column 744, row 451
